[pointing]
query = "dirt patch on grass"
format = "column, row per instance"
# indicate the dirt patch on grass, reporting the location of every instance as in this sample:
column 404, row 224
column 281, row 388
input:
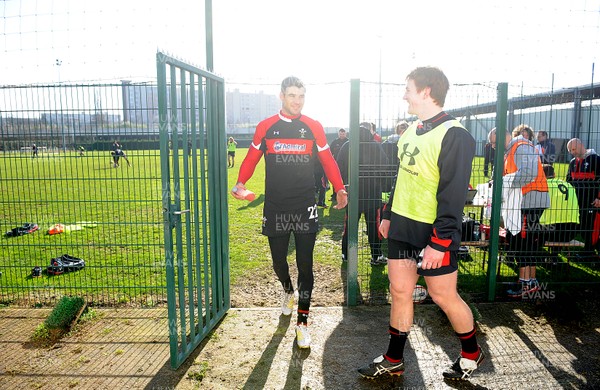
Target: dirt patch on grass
column 253, row 291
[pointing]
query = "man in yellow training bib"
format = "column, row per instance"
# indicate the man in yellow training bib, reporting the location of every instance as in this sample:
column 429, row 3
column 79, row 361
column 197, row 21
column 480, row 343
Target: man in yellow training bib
column 422, row 222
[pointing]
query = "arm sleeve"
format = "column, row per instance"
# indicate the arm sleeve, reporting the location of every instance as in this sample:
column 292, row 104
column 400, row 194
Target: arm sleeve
column 569, row 170
column 342, row 161
column 454, row 163
column 386, row 212
column 526, row 159
column 487, row 159
column 332, row 171
column 387, row 208
column 254, row 154
column 597, row 172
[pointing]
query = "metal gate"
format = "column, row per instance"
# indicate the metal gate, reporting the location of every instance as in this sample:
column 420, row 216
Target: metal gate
column 194, row 192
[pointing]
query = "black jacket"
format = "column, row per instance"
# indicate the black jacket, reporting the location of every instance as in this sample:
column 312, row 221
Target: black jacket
column 372, row 169
column 584, row 175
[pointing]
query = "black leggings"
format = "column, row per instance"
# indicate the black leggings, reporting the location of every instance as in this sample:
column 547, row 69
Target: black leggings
column 305, row 243
column 372, row 220
column 526, row 246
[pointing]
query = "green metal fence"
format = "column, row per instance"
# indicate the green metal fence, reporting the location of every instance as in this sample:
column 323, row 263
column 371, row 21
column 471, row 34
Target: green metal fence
column 560, row 249
column 488, row 268
column 111, row 215
column 123, row 244
column 194, row 187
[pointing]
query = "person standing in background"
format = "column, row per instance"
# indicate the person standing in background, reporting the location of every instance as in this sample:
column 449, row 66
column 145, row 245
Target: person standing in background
column 524, row 174
column 546, row 148
column 489, row 153
column 231, row 146
column 372, row 164
column 584, row 175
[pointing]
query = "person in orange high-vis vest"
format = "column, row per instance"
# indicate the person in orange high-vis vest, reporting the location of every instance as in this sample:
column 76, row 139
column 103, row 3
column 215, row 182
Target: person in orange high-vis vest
column 523, row 161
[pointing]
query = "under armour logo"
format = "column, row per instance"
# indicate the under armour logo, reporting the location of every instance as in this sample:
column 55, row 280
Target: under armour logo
column 276, row 132
column 409, row 154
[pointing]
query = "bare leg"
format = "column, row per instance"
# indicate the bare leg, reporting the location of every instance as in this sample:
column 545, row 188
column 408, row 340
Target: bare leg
column 442, row 290
column 403, row 276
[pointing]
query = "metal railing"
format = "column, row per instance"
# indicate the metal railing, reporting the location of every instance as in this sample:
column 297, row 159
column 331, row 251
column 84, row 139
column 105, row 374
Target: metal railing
column 122, row 244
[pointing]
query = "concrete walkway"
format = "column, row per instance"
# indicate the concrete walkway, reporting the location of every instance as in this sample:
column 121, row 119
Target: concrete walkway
column 255, row 349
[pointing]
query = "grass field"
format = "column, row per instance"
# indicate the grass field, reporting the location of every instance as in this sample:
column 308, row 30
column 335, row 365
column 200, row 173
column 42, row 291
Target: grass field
column 124, row 253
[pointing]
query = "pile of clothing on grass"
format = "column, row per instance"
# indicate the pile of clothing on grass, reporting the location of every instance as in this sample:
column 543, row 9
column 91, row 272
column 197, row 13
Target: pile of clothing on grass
column 27, row 228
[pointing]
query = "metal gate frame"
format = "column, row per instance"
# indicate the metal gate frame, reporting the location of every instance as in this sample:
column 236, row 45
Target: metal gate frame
column 191, row 108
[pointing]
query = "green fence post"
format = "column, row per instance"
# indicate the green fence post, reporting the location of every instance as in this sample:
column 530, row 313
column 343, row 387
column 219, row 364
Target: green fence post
column 166, row 200
column 222, row 125
column 501, row 115
column 352, row 275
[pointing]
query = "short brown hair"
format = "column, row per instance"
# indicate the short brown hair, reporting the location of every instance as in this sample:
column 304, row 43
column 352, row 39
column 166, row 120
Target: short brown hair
column 434, row 78
column 401, row 127
column 291, row 81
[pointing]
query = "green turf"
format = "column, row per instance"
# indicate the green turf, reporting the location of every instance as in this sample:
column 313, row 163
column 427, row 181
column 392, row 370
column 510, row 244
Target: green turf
column 124, row 253
column 64, row 313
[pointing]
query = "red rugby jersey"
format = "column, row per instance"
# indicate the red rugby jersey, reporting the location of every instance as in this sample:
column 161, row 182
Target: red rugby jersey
column 291, row 146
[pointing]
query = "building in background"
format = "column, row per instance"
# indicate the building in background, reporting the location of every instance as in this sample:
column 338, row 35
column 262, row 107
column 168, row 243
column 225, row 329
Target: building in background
column 244, row 110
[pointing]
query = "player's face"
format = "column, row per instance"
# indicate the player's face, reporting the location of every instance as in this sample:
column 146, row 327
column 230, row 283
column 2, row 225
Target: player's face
column 414, row 98
column 292, row 101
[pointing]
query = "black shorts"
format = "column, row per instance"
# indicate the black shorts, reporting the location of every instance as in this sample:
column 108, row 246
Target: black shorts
column 301, row 220
column 232, row 154
column 402, row 250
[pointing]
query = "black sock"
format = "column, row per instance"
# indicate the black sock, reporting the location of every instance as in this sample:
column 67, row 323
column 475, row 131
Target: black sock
column 395, row 350
column 302, row 317
column 468, row 342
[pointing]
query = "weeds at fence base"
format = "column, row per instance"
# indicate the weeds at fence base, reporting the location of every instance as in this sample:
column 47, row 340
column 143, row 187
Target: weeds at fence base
column 198, row 371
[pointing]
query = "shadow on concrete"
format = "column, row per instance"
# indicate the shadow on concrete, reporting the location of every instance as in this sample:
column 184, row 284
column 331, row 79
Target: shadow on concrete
column 359, row 337
column 258, row 376
column 294, row 374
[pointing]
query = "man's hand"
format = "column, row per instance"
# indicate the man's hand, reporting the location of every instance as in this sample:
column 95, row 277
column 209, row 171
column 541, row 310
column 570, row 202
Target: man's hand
column 384, row 227
column 238, row 193
column 342, row 199
column 432, row 258
column 596, row 202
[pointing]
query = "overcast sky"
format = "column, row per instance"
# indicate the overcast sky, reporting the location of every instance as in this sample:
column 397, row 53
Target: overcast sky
column 521, row 42
column 321, row 41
